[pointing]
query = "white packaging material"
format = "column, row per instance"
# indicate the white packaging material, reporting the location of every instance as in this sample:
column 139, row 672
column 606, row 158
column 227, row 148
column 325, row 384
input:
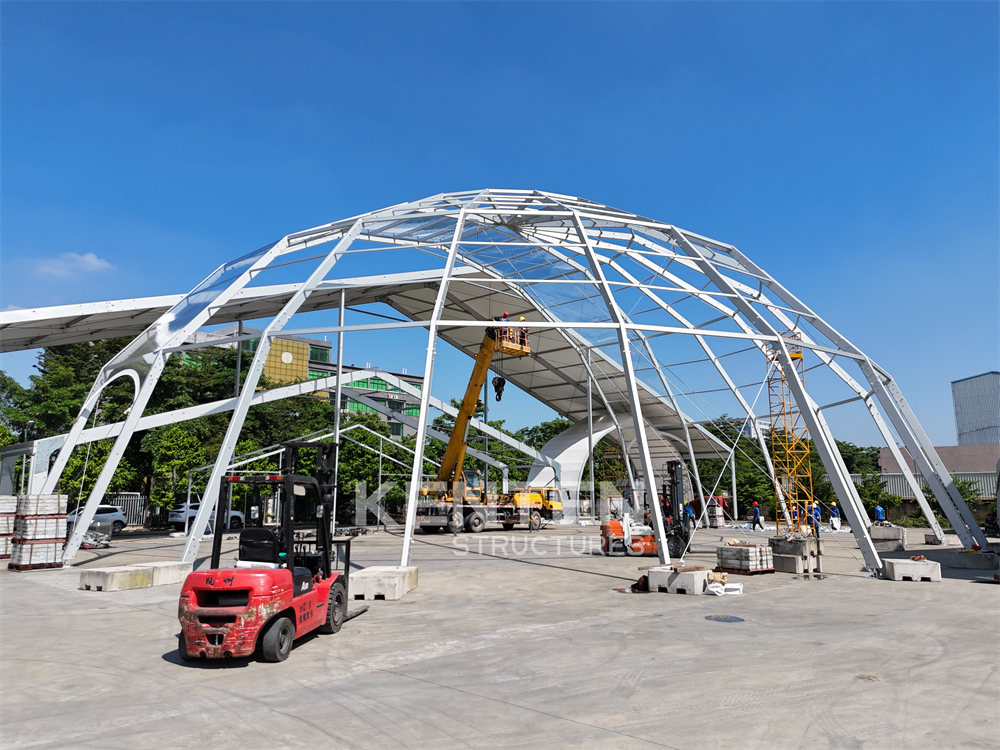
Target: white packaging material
column 8, row 503
column 715, row 589
column 6, row 542
column 42, row 505
column 40, row 527
column 36, row 553
column 6, row 523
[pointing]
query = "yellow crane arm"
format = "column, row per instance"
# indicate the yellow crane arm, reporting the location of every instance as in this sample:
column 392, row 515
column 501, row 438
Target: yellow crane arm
column 506, row 340
column 454, row 454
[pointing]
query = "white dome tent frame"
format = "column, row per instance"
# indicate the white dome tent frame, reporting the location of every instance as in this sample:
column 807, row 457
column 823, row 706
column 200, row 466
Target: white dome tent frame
column 579, row 271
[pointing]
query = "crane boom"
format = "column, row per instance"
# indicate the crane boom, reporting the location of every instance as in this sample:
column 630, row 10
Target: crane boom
column 496, row 339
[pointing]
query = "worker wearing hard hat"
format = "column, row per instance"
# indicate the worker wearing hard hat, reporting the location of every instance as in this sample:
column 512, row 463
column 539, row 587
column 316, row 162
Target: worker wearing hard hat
column 756, row 518
column 522, row 334
column 834, row 517
column 815, row 517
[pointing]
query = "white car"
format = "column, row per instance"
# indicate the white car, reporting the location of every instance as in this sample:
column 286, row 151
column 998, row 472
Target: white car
column 177, row 516
column 105, row 514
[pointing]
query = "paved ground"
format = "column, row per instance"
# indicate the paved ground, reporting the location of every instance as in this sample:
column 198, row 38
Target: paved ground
column 518, row 641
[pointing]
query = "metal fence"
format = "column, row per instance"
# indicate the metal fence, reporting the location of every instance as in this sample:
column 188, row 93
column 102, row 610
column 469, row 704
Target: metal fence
column 135, row 506
column 986, row 483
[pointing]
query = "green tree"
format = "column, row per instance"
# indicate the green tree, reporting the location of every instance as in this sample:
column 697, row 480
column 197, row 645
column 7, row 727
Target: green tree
column 13, row 400
column 859, row 460
column 91, row 458
column 752, row 481
column 65, row 376
column 872, row 491
column 175, row 450
column 538, row 435
column 969, row 491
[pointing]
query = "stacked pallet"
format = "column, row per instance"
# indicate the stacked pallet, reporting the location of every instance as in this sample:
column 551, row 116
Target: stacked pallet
column 8, row 506
column 716, row 517
column 39, row 532
column 745, row 559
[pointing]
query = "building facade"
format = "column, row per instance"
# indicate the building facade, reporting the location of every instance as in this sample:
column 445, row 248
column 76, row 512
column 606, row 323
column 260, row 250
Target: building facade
column 977, row 409
column 296, row 359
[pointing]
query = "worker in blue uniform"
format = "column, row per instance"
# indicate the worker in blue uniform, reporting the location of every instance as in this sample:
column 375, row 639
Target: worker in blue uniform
column 815, row 517
column 756, row 519
column 689, row 515
column 834, row 517
column 879, row 514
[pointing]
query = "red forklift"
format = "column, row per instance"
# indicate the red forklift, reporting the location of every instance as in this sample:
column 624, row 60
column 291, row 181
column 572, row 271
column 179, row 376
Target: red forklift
column 288, row 580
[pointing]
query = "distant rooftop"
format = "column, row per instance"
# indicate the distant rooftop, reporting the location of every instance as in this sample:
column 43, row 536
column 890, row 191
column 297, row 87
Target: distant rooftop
column 973, row 377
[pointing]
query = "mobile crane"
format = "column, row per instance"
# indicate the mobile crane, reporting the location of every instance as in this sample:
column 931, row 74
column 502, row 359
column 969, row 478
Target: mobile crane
column 457, row 502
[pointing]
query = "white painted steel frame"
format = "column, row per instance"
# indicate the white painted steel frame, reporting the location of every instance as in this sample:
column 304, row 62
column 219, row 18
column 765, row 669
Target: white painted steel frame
column 565, row 263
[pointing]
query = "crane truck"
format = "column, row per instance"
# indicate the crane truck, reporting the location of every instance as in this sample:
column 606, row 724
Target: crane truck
column 455, row 501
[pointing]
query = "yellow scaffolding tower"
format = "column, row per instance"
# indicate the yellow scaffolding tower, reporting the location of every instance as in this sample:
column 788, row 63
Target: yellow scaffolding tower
column 789, row 443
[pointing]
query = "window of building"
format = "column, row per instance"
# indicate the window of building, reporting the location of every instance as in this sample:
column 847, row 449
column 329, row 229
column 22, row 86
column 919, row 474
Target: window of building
column 377, row 384
column 316, row 374
column 395, row 429
column 412, row 410
column 349, row 404
column 319, row 354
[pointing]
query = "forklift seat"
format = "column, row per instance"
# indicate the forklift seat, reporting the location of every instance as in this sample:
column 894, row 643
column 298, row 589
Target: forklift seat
column 259, row 544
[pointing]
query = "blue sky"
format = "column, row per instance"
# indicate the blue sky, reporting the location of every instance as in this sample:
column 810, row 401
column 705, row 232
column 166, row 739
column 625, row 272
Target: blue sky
column 849, row 148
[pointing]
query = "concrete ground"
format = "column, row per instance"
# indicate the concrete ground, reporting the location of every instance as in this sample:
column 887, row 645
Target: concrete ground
column 519, row 640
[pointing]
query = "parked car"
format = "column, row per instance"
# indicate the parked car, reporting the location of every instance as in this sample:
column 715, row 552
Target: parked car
column 105, row 514
column 178, row 517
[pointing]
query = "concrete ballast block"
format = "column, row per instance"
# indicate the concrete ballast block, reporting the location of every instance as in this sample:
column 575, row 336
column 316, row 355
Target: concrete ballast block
column 138, row 576
column 658, row 577
column 888, row 533
column 664, row 578
column 691, row 582
column 912, row 570
column 789, row 564
column 383, row 582
column 118, row 578
column 800, row 547
column 972, row 559
column 167, row 572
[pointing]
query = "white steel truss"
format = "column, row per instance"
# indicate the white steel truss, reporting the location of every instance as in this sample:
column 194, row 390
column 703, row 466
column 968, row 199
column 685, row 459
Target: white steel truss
column 653, row 327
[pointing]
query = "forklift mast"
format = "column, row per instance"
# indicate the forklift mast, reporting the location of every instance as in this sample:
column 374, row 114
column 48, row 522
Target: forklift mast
column 673, row 491
column 290, row 479
column 500, row 339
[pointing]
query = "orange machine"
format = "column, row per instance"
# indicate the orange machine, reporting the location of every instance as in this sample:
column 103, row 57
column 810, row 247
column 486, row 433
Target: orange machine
column 626, row 537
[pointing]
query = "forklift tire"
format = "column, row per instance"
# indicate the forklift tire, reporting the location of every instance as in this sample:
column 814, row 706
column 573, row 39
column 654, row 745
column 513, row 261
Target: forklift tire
column 675, row 546
column 277, row 642
column 182, row 650
column 455, row 523
column 335, row 610
column 535, row 520
column 475, row 522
